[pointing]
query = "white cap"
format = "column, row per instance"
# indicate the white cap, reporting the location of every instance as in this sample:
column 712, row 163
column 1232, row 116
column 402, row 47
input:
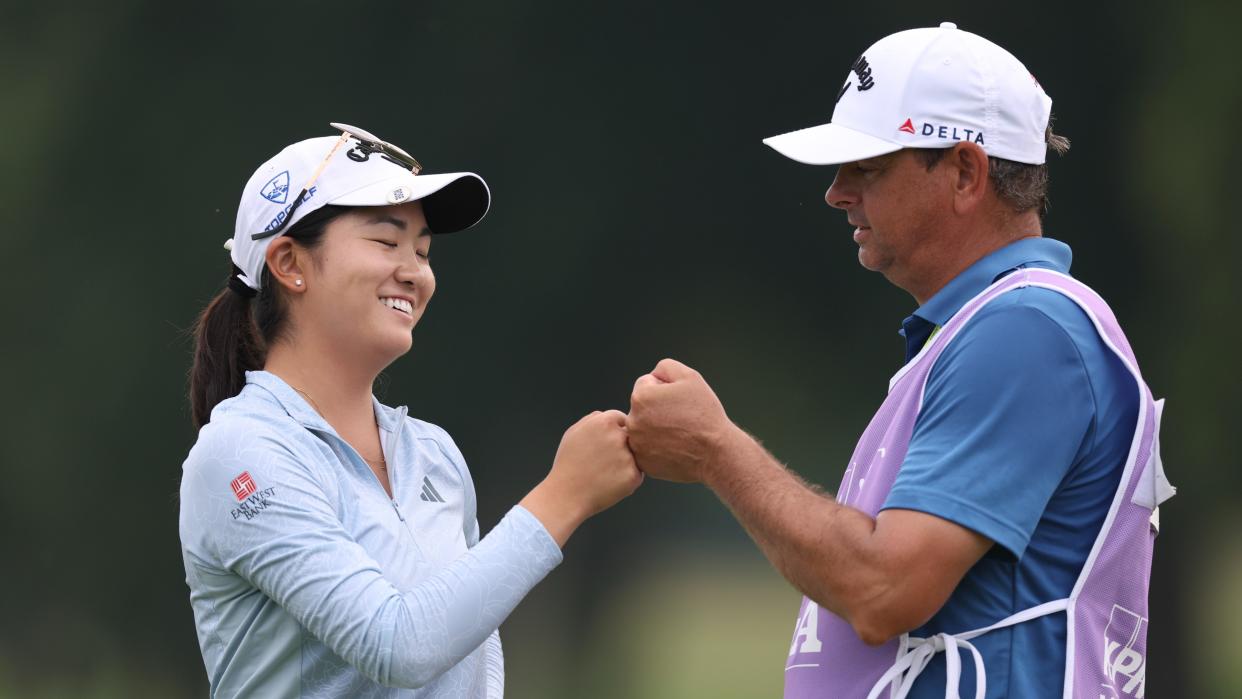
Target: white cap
column 355, row 175
column 929, row 88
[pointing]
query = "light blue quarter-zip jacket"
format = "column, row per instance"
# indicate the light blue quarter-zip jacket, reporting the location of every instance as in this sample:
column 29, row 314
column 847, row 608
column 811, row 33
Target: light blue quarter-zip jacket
column 307, row 580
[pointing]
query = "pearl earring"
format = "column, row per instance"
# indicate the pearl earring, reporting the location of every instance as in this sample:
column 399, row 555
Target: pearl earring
column 298, row 282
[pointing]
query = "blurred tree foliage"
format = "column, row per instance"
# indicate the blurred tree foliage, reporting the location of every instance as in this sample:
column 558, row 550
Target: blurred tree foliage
column 636, row 216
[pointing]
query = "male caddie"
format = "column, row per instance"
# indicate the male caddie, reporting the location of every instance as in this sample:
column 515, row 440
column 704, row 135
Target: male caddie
column 992, row 535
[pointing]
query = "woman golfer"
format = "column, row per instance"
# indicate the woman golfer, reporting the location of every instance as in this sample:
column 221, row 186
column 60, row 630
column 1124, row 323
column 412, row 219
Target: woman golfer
column 330, row 542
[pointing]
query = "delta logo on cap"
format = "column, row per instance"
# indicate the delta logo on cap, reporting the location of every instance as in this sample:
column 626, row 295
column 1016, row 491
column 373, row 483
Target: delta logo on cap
column 908, row 127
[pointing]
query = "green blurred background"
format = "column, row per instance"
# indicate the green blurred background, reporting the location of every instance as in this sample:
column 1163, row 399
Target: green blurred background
column 636, row 215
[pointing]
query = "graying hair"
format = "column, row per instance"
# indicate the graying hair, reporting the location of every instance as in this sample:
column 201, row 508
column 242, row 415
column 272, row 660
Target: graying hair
column 1021, row 186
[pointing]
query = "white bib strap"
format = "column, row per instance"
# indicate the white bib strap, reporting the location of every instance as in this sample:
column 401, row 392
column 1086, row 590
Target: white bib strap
column 909, row 666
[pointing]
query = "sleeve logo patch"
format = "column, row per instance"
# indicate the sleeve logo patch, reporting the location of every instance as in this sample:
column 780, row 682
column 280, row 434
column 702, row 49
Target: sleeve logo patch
column 251, row 500
column 243, row 486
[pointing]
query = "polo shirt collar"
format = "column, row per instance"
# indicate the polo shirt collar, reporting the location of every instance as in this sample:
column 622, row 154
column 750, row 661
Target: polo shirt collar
column 1038, row 252
column 299, row 409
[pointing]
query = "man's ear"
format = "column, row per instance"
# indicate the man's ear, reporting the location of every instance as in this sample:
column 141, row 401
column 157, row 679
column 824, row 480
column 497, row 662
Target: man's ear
column 285, row 262
column 970, row 170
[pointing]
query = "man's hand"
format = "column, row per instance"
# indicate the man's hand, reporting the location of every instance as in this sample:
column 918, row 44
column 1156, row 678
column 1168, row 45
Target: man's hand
column 883, row 576
column 676, row 424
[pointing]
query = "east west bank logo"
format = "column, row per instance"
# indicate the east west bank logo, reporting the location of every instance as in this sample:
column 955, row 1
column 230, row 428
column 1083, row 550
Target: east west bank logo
column 251, row 500
column 942, row 131
column 243, row 486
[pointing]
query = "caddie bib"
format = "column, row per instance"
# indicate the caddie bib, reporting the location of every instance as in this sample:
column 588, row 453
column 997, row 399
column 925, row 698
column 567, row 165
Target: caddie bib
column 1106, row 626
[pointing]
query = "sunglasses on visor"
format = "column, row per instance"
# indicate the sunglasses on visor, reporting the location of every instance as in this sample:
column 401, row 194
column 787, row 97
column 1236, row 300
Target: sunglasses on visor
column 367, row 144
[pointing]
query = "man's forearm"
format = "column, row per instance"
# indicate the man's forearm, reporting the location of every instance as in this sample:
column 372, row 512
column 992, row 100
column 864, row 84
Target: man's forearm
column 820, row 546
column 884, row 575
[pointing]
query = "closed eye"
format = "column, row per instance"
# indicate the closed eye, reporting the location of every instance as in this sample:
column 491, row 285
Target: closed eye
column 386, row 243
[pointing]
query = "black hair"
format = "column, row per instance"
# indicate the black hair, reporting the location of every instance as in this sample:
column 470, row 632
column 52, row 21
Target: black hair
column 233, row 332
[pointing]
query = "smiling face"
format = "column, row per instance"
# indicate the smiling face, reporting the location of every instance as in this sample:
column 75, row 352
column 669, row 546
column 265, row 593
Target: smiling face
column 897, row 208
column 369, row 283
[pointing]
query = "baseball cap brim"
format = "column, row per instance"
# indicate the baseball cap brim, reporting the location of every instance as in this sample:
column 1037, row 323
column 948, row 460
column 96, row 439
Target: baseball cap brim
column 452, row 201
column 829, row 144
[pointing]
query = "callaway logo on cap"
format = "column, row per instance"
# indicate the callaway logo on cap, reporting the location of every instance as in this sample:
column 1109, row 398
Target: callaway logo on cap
column 354, row 168
column 929, row 88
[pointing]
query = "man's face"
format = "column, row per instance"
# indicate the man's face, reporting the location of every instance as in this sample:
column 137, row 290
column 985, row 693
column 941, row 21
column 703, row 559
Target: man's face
column 896, row 206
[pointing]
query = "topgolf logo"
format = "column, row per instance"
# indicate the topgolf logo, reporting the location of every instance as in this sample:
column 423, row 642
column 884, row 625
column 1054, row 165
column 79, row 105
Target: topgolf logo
column 277, row 189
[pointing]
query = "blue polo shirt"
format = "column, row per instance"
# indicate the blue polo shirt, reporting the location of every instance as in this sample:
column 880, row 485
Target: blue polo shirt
column 1025, row 427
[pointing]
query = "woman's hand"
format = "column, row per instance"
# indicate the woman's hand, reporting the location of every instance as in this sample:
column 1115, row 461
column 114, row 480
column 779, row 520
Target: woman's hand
column 593, row 470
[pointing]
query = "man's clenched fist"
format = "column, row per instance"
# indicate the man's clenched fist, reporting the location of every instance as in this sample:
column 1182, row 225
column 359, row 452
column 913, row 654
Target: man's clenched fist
column 676, row 424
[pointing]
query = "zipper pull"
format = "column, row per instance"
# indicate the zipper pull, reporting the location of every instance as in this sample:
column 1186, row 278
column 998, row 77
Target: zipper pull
column 397, row 510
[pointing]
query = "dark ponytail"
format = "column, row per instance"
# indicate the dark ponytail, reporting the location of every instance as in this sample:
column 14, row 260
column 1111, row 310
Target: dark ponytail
column 233, row 332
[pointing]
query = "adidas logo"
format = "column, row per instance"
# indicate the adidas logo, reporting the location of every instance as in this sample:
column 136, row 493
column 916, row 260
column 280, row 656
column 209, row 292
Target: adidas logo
column 430, row 494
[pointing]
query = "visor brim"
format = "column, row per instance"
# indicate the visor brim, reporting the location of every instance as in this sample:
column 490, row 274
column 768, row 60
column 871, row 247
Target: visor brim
column 829, row 144
column 452, row 201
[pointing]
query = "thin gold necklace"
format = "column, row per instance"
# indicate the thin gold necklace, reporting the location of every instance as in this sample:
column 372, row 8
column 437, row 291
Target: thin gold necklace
column 381, row 462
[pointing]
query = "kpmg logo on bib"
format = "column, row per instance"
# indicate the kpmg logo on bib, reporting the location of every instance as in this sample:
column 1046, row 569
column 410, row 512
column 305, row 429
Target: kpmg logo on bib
column 277, row 189
column 1125, row 667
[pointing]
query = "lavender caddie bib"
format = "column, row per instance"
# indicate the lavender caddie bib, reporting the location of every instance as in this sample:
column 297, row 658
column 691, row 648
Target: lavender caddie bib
column 1106, row 639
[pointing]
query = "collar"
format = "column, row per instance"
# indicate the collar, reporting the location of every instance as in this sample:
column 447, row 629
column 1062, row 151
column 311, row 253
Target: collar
column 299, row 409
column 1029, row 252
